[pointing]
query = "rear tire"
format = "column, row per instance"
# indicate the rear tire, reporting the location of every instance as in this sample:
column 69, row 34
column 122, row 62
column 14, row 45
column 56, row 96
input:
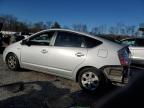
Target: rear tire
column 12, row 62
column 91, row 79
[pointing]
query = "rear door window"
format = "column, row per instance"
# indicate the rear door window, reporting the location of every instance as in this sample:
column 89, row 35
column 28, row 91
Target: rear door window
column 66, row 39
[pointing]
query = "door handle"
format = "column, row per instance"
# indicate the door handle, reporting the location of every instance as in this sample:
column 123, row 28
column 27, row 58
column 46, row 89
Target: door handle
column 44, row 51
column 79, row 54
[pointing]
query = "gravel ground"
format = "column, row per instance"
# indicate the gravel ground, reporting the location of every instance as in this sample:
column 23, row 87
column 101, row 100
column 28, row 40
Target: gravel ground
column 30, row 89
column 7, row 77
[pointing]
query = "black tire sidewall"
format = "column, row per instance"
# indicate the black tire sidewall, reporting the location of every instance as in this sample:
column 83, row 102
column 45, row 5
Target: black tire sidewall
column 17, row 62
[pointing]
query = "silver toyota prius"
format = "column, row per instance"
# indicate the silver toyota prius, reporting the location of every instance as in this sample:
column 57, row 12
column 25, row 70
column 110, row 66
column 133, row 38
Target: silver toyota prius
column 90, row 60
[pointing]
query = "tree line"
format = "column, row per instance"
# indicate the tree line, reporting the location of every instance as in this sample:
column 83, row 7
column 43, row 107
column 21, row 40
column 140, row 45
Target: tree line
column 11, row 23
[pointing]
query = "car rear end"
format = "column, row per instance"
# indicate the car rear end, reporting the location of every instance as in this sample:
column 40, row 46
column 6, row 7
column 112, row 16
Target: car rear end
column 119, row 73
column 116, row 67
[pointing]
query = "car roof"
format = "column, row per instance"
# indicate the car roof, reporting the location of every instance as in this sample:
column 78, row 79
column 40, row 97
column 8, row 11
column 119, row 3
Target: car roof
column 72, row 31
column 107, row 42
column 66, row 30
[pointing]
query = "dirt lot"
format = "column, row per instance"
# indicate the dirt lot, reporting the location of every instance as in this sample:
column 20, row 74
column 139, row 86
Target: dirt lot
column 30, row 89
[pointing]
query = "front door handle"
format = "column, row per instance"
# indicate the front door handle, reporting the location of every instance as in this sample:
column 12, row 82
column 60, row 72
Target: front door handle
column 44, row 51
column 79, row 54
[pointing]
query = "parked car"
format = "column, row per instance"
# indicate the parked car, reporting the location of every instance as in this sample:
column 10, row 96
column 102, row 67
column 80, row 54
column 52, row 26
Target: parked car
column 136, row 46
column 92, row 61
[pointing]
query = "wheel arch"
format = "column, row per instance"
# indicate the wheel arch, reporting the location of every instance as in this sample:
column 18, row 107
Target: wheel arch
column 78, row 72
column 17, row 63
column 9, row 54
column 14, row 54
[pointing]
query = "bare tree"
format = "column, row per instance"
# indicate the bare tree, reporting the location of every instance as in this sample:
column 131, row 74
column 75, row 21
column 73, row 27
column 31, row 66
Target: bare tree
column 95, row 31
column 102, row 29
column 55, row 25
column 66, row 27
column 80, row 27
column 49, row 24
column 11, row 23
column 112, row 30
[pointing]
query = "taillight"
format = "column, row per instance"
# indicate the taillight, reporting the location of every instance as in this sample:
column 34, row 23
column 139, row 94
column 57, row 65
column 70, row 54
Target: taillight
column 123, row 57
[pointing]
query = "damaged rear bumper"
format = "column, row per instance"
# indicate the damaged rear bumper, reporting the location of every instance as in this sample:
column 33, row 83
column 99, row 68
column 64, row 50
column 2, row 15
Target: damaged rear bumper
column 117, row 74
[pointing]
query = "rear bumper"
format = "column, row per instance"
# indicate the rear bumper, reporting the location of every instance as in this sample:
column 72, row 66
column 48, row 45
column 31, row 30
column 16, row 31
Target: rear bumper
column 118, row 74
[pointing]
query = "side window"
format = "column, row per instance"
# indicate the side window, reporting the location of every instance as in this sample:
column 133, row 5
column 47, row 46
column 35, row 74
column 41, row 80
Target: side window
column 90, row 42
column 42, row 39
column 66, row 39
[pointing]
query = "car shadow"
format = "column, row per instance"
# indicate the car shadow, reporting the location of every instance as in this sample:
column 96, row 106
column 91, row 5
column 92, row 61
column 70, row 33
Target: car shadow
column 45, row 94
column 131, row 96
column 40, row 94
column 85, row 99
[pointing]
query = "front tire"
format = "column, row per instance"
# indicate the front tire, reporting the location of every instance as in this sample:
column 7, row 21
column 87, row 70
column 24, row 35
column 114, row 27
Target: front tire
column 91, row 79
column 12, row 62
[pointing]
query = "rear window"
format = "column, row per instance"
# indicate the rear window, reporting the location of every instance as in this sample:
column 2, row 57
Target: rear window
column 90, row 42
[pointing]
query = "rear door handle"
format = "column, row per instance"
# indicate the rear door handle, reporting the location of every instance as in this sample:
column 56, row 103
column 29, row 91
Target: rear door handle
column 79, row 54
column 44, row 51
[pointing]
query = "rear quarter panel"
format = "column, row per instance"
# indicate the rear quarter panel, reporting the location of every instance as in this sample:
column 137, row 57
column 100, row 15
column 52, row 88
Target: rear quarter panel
column 108, row 56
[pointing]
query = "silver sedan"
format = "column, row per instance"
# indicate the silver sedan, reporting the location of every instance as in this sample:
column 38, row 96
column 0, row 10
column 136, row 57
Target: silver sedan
column 87, row 59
